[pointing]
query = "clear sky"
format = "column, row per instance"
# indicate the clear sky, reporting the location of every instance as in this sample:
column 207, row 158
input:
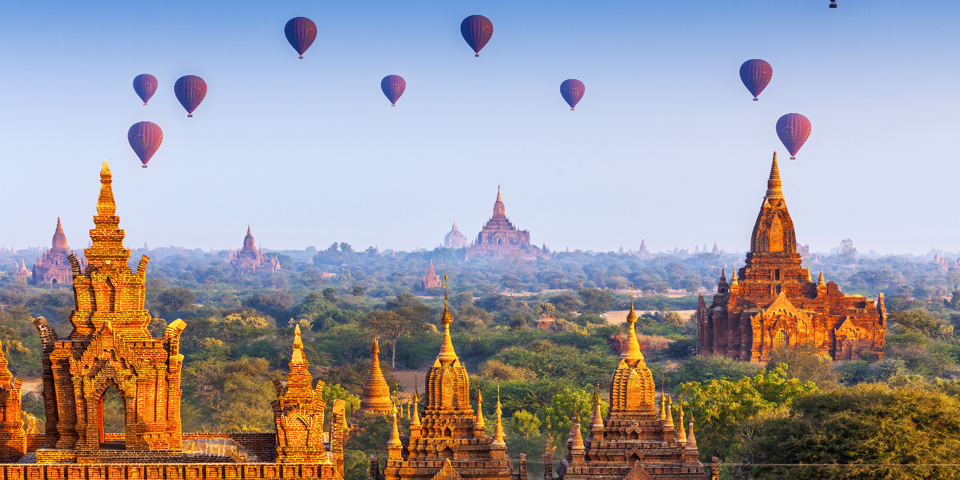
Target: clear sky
column 666, row 144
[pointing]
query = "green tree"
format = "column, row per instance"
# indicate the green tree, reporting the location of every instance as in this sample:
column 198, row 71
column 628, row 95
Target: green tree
column 720, row 406
column 806, row 363
column 920, row 320
column 406, row 315
column 566, row 302
column 558, row 414
column 877, row 426
column 595, row 300
column 175, row 299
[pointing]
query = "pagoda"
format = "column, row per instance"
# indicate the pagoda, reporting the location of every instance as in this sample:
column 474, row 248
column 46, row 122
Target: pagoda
column 250, row 259
column 431, row 279
column 455, row 239
column 53, row 267
column 449, row 441
column 376, row 393
column 635, row 441
column 499, row 238
column 773, row 302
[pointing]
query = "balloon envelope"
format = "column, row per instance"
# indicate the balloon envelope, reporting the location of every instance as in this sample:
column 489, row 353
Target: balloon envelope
column 300, row 32
column 793, row 130
column 756, row 74
column 145, row 85
column 393, row 86
column 572, row 91
column 476, row 30
column 145, row 139
column 190, row 90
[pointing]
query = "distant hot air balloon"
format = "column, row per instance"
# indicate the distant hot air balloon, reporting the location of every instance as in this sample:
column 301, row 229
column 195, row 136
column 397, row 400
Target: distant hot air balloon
column 755, row 74
column 393, row 86
column 793, row 130
column 300, row 32
column 145, row 85
column 572, row 91
column 833, row 3
column 145, row 139
column 190, row 90
column 476, row 30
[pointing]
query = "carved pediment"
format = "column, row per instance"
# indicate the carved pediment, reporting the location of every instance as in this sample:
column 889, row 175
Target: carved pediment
column 782, row 315
column 447, row 472
column 637, row 472
column 848, row 331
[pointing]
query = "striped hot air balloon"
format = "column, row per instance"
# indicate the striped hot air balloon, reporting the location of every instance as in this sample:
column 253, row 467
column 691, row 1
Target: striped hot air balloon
column 793, row 130
column 145, row 85
column 145, row 138
column 572, row 91
column 476, row 30
column 300, row 32
column 393, row 86
column 756, row 74
column 190, row 90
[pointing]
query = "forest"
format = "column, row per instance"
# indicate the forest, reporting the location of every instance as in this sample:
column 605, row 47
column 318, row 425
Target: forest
column 544, row 333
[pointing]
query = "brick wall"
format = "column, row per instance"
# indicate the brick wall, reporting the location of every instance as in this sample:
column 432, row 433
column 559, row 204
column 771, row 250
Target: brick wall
column 170, row 471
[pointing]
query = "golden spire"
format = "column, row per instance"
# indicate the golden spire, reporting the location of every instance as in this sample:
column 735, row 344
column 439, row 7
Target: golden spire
column 632, row 351
column 809, row 276
column 596, row 420
column 479, row 422
column 734, row 281
column 681, row 433
column 446, row 349
column 498, row 432
column 669, row 415
column 691, row 440
column 415, row 419
column 499, row 198
column 297, row 357
column 773, row 183
column 577, row 437
column 663, row 400
column 821, row 281
column 106, row 206
column 395, row 433
column 376, row 393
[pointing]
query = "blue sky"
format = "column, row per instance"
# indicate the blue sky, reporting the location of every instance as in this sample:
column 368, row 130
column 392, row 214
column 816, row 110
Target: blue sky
column 666, row 144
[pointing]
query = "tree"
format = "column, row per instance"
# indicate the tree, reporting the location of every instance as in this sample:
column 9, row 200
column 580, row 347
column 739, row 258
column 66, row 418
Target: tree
column 565, row 302
column 719, row 407
column 595, row 300
column 806, row 363
column 357, row 291
column 558, row 414
column 847, row 252
column 880, row 427
column 174, row 300
column 919, row 320
column 406, row 315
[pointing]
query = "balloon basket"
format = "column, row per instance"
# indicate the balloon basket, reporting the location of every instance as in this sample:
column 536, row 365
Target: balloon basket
column 833, row 5
column 144, row 166
column 301, row 57
column 793, row 158
column 477, row 55
column 393, row 104
column 189, row 115
column 144, row 104
column 755, row 99
column 571, row 109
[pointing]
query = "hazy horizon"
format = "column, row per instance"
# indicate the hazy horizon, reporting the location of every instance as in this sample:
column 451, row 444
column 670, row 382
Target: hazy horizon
column 666, row 144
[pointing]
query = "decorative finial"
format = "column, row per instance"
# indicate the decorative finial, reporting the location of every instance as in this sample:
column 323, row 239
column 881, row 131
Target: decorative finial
column 774, row 185
column 735, row 281
column 297, row 357
column 395, row 432
column 446, row 348
column 821, row 281
column 632, row 351
column 498, row 431
column 479, row 421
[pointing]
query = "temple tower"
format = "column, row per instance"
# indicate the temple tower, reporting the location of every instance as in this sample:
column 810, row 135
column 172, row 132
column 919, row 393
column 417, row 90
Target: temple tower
column 13, row 439
column 54, row 267
column 109, row 346
column 376, row 393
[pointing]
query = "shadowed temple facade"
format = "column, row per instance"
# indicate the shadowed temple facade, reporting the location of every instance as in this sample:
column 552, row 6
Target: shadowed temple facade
column 773, row 301
column 110, row 348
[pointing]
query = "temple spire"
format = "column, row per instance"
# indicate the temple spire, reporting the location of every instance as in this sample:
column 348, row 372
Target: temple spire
column 297, row 357
column 106, row 205
column 632, row 350
column 498, row 431
column 479, row 423
column 596, row 420
column 821, row 280
column 415, row 404
column 773, row 183
column 446, row 348
column 691, row 440
column 394, row 432
column 681, row 432
column 734, row 281
column 376, row 393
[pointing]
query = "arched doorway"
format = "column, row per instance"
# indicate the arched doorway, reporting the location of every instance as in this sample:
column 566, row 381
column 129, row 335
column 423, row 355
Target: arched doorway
column 113, row 419
column 781, row 339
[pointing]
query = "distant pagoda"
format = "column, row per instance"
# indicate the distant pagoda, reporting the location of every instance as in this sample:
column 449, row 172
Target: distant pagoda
column 499, row 238
column 455, row 239
column 53, row 267
column 250, row 259
column 430, row 280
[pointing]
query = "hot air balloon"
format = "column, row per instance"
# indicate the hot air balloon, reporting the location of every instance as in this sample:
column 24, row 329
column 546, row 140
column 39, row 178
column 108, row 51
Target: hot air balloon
column 476, row 30
column 300, row 32
column 190, row 90
column 145, row 85
column 145, row 139
column 572, row 91
column 793, row 130
column 393, row 86
column 755, row 74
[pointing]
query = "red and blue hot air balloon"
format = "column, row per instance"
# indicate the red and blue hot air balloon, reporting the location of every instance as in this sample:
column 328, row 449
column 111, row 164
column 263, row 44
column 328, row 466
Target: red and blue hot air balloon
column 476, row 30
column 393, row 86
column 145, row 138
column 793, row 130
column 300, row 32
column 572, row 91
column 190, row 90
column 756, row 74
column 145, row 85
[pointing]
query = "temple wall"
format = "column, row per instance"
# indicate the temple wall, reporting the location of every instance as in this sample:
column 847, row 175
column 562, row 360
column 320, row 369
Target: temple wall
column 169, row 471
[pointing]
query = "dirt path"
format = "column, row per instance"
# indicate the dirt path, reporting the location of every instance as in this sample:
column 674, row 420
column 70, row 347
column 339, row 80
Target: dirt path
column 616, row 317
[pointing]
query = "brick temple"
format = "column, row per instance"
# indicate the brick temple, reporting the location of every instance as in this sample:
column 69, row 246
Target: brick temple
column 431, row 279
column 53, row 267
column 635, row 441
column 111, row 348
column 250, row 259
column 773, row 301
column 455, row 239
column 499, row 238
column 375, row 397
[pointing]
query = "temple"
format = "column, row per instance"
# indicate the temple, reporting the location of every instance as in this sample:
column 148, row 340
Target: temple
column 431, row 279
column 375, row 397
column 250, row 259
column 634, row 441
column 499, row 238
column 455, row 239
column 450, row 442
column 13, row 439
column 22, row 274
column 773, row 302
